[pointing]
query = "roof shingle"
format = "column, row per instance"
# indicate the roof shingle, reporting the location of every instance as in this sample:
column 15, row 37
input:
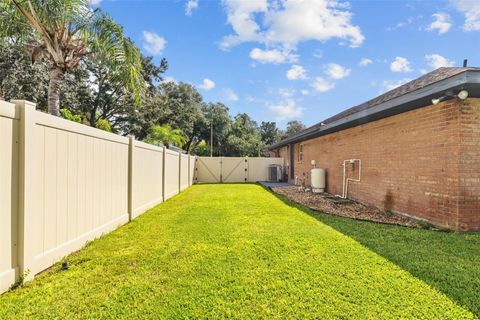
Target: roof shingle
column 425, row 80
column 409, row 87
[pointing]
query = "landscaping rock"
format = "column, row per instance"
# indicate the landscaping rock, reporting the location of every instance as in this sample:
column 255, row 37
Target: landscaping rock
column 327, row 203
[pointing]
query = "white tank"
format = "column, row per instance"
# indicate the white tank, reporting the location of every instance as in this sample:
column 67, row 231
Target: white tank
column 318, row 180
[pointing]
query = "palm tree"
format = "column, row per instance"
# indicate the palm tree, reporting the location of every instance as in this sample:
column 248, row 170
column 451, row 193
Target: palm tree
column 165, row 135
column 65, row 32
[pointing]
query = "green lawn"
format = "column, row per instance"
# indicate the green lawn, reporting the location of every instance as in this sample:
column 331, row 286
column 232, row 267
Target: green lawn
column 238, row 251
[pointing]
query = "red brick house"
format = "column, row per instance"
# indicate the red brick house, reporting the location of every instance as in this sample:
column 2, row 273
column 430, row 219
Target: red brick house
column 414, row 150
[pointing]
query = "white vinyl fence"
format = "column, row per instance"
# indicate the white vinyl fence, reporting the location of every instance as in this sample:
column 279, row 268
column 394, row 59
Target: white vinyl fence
column 9, row 129
column 233, row 169
column 63, row 184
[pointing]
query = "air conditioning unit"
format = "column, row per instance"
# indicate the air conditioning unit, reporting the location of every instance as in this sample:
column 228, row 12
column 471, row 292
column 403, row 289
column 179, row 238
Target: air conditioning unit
column 275, row 172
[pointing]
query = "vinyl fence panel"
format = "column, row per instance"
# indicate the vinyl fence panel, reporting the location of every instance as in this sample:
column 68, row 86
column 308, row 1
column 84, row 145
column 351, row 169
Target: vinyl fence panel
column 208, row 169
column 191, row 168
column 9, row 135
column 147, row 177
column 172, row 176
column 80, row 181
column 184, row 171
column 258, row 168
column 234, row 169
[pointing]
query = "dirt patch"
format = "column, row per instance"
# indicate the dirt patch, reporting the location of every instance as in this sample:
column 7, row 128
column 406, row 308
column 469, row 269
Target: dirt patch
column 344, row 207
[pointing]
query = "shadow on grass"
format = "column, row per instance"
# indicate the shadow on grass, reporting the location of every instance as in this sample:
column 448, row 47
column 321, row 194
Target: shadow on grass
column 447, row 261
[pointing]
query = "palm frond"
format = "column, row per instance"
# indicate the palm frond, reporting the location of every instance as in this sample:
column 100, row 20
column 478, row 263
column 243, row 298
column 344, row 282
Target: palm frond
column 68, row 30
column 106, row 40
column 165, row 135
column 13, row 24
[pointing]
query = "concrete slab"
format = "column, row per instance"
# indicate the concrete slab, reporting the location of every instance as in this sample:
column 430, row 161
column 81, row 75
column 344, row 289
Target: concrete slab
column 270, row 184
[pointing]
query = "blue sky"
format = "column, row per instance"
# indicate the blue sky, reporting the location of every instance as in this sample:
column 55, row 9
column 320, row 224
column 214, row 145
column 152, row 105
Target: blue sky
column 280, row 60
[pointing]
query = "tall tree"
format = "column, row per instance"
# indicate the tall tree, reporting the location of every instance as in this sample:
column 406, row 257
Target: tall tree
column 269, row 132
column 293, row 127
column 65, row 31
column 107, row 98
column 244, row 138
column 182, row 109
column 19, row 78
column 218, row 124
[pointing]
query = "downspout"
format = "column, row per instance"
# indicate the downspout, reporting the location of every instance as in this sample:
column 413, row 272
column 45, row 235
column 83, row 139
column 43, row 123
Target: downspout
column 292, row 160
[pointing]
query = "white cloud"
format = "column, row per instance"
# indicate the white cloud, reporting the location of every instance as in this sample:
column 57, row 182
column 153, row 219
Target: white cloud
column 407, row 22
column 250, row 99
column 190, row 6
column 442, row 23
column 153, row 43
column 272, row 56
column 471, row 10
column 241, row 16
column 436, row 61
column 94, row 2
column 400, row 64
column 286, row 110
column 297, row 72
column 390, row 85
column 365, row 62
column 322, row 85
column 285, row 93
column 318, row 20
column 207, row 84
column 336, row 71
column 305, row 92
column 287, row 23
column 230, row 95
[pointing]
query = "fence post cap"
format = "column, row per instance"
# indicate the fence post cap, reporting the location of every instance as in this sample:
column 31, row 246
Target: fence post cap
column 25, row 103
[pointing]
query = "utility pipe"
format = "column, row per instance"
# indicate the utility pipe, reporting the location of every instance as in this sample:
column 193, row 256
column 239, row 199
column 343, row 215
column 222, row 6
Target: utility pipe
column 346, row 180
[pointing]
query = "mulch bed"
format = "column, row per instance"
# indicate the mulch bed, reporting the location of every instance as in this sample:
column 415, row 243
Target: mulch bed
column 344, row 207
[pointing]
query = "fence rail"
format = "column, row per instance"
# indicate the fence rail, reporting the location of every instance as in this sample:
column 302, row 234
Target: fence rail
column 63, row 184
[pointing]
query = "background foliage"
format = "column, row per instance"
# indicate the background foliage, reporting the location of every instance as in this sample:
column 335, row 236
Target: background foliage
column 93, row 95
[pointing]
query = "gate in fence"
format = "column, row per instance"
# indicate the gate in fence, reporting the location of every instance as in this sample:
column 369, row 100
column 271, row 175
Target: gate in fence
column 233, row 169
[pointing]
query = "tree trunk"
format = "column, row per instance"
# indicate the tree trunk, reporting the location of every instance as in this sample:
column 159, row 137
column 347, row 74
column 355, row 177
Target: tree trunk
column 93, row 117
column 57, row 76
column 187, row 145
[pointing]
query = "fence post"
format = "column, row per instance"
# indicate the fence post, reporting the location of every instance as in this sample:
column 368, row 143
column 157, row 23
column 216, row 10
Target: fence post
column 188, row 170
column 195, row 171
column 163, row 172
column 221, row 169
column 179, row 172
column 26, row 210
column 246, row 169
column 131, row 159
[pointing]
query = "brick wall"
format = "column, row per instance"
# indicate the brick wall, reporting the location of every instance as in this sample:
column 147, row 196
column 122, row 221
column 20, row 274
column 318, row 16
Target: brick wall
column 469, row 174
column 424, row 163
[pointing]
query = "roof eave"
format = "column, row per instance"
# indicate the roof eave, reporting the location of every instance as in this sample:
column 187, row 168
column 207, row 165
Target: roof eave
column 469, row 80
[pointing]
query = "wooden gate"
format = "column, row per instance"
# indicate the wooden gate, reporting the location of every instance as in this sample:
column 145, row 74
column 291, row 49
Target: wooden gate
column 208, row 170
column 234, row 169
